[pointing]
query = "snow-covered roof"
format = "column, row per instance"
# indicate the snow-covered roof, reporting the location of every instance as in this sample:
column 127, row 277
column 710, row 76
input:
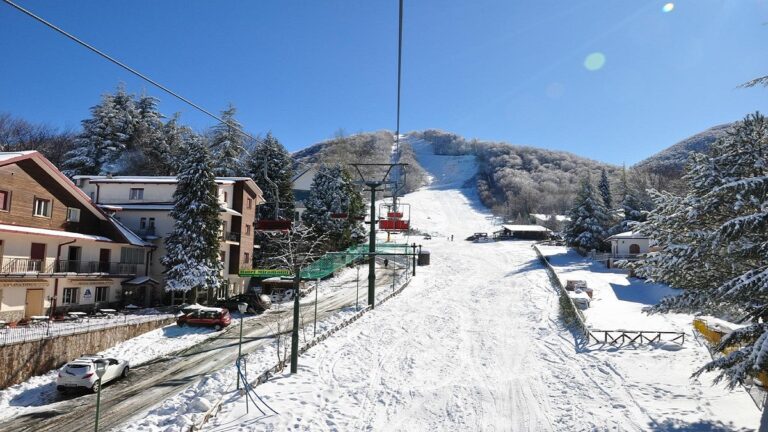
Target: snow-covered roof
column 537, row 228
column 155, row 207
column 151, row 179
column 129, row 235
column 140, row 280
column 545, row 217
column 52, row 233
column 4, row 156
column 628, row 235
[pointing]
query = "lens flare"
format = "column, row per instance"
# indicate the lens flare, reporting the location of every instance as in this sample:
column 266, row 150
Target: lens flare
column 669, row 7
column 594, row 61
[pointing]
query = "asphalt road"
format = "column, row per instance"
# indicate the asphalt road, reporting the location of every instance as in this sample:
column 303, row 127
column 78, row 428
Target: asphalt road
column 156, row 381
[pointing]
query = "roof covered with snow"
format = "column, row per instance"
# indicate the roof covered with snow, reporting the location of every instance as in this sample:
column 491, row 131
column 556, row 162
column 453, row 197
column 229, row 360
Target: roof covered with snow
column 51, row 233
column 628, row 235
column 532, row 228
column 129, row 235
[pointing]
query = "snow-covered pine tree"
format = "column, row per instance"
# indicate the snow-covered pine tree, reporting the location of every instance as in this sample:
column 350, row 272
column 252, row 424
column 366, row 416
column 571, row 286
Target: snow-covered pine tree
column 589, row 218
column 105, row 137
column 148, row 142
column 632, row 207
column 270, row 159
column 176, row 137
column 605, row 190
column 192, row 257
column 227, row 145
column 729, row 191
column 333, row 191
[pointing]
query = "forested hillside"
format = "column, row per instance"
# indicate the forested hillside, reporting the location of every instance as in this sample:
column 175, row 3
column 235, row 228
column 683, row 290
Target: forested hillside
column 371, row 148
column 671, row 161
column 518, row 180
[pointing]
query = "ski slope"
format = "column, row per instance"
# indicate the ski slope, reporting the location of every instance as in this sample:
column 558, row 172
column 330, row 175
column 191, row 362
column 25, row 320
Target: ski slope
column 475, row 343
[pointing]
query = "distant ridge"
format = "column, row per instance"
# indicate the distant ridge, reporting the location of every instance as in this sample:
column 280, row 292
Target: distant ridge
column 671, row 161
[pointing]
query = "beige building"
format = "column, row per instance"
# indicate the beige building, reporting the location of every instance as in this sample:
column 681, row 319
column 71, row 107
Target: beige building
column 143, row 204
column 58, row 251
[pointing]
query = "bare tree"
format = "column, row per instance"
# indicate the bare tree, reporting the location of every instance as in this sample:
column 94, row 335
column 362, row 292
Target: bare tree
column 300, row 246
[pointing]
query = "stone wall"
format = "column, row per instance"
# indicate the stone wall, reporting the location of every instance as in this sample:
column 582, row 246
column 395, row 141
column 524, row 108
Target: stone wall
column 21, row 361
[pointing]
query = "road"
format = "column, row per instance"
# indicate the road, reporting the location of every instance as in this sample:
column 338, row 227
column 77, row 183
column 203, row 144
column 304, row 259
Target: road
column 152, row 383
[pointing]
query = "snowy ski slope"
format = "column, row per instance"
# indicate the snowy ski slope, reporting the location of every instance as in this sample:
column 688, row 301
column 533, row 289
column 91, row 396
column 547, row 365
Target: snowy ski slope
column 475, row 344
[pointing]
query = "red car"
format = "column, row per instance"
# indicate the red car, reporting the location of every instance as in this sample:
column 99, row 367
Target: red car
column 216, row 317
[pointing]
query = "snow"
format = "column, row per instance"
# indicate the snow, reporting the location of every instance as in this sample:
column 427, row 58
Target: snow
column 475, row 343
column 545, row 217
column 53, row 233
column 627, row 235
column 40, row 391
column 526, row 228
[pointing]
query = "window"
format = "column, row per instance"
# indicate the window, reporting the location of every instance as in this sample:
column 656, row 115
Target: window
column 151, row 223
column 136, row 194
column 246, row 258
column 143, row 223
column 225, row 196
column 73, row 214
column 130, row 255
column 70, row 296
column 5, row 200
column 101, row 294
column 223, row 256
column 247, row 229
column 250, row 203
column 42, row 207
column 634, row 249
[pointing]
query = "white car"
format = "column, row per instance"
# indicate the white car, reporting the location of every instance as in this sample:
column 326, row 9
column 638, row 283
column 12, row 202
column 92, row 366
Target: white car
column 81, row 373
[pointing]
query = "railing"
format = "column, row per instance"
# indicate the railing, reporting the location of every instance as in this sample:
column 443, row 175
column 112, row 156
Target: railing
column 49, row 330
column 230, row 236
column 23, row 265
column 145, row 232
column 26, row 265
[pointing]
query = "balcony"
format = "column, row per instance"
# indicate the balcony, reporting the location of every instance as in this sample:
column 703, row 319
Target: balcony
column 231, row 236
column 26, row 265
column 146, row 233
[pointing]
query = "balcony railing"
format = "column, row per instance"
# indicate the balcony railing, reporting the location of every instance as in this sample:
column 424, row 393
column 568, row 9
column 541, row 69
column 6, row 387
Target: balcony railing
column 231, row 236
column 146, row 232
column 26, row 265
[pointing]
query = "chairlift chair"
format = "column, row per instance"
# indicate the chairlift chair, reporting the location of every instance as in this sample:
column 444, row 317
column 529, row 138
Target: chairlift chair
column 398, row 218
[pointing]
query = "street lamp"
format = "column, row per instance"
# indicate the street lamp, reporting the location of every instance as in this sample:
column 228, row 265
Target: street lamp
column 101, row 368
column 242, row 307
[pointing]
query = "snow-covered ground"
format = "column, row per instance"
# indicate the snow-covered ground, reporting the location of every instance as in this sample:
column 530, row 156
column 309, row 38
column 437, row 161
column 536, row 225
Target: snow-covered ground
column 618, row 300
column 475, row 343
column 41, row 390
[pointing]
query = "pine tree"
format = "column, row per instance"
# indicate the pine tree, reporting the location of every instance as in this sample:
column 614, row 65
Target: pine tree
column 176, row 137
column 605, row 190
column 589, row 218
column 723, row 221
column 227, row 145
column 105, row 137
column 271, row 167
column 632, row 207
column 333, row 191
column 192, row 258
column 149, row 140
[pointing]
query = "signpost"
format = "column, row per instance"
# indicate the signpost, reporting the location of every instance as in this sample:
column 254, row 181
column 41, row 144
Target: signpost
column 264, row 272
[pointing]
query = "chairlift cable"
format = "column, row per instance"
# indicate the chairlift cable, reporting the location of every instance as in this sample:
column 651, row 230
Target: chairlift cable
column 128, row 68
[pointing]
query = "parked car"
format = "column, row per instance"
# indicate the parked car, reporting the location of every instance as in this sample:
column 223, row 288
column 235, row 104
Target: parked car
column 81, row 373
column 257, row 303
column 217, row 318
column 427, row 237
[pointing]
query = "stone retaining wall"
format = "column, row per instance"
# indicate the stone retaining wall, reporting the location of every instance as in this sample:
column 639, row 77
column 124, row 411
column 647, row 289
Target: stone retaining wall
column 20, row 361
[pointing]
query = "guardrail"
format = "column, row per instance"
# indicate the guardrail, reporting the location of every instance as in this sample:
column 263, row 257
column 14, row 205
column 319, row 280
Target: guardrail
column 610, row 337
column 53, row 329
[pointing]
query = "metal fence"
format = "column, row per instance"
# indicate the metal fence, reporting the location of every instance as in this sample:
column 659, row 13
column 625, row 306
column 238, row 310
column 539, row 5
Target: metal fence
column 53, row 329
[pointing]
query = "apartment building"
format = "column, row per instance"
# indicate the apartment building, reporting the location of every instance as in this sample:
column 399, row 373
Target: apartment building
column 58, row 251
column 143, row 204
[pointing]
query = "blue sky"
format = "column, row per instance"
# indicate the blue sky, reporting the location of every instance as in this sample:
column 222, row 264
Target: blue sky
column 497, row 70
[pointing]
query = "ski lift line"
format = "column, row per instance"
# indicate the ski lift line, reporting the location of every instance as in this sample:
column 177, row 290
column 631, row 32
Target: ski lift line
column 128, row 68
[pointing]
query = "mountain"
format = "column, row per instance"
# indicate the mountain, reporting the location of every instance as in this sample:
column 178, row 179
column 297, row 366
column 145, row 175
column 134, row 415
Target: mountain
column 672, row 160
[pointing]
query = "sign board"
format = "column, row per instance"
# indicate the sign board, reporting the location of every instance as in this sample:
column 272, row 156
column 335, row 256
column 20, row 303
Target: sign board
column 87, row 293
column 89, row 282
column 23, row 283
column 263, row 272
